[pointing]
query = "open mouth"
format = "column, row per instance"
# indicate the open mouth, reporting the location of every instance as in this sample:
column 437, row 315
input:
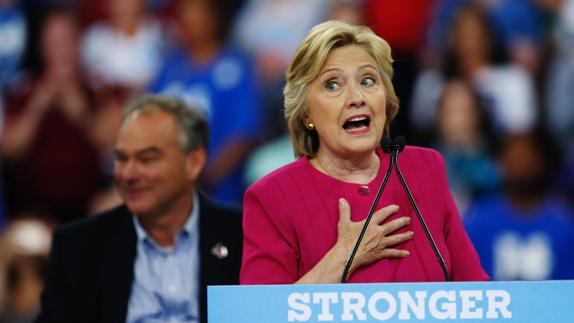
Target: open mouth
column 357, row 124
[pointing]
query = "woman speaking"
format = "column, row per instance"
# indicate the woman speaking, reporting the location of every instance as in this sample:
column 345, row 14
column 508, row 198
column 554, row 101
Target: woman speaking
column 301, row 222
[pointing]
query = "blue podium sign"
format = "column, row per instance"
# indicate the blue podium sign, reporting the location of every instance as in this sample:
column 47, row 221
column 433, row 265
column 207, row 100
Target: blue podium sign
column 523, row 302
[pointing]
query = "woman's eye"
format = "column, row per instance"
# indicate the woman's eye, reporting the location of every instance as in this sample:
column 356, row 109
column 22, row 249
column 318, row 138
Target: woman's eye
column 331, row 85
column 368, row 81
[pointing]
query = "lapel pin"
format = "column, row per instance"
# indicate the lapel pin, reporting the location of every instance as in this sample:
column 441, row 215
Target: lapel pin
column 219, row 250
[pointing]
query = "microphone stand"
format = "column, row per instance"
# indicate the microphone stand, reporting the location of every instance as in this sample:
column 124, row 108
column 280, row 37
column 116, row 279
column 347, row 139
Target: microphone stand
column 395, row 147
column 420, row 217
column 386, row 144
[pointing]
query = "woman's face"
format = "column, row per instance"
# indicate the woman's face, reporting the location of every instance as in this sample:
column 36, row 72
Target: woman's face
column 347, row 103
column 457, row 116
column 125, row 9
column 59, row 42
column 470, row 36
column 198, row 22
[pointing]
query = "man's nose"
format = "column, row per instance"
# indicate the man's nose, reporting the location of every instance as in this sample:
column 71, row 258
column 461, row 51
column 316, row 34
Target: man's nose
column 127, row 171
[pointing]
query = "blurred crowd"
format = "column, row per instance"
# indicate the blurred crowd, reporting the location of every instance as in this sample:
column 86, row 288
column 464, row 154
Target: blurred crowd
column 488, row 83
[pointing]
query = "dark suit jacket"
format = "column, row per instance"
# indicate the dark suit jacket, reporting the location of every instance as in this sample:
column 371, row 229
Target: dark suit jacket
column 90, row 270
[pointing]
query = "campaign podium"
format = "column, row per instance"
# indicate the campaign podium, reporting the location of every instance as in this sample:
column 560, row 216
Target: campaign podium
column 521, row 302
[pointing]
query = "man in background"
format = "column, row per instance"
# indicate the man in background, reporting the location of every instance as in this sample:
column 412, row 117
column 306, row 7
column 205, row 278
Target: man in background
column 151, row 258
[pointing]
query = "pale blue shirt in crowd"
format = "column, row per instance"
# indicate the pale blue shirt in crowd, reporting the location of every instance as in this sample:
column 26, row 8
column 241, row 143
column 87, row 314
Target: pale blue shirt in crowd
column 166, row 280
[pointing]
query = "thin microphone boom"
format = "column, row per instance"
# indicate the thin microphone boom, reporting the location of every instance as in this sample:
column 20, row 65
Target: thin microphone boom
column 386, row 142
column 398, row 145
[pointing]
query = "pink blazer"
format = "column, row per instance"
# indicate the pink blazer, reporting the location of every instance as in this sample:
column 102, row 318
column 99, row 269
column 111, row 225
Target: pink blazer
column 290, row 222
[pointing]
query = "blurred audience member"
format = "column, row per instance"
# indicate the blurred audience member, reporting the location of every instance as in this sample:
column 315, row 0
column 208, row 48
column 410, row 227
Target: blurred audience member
column 285, row 25
column 438, row 32
column 271, row 30
column 560, row 82
column 279, row 151
column 3, row 215
column 52, row 165
column 123, row 52
column 402, row 24
column 121, row 55
column 464, row 137
column 348, row 11
column 565, row 180
column 472, row 54
column 221, row 81
column 24, row 247
column 559, row 98
column 269, row 157
column 519, row 25
column 13, row 36
column 525, row 232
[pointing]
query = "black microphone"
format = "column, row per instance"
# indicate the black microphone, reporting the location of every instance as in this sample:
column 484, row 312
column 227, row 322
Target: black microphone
column 397, row 146
column 386, row 143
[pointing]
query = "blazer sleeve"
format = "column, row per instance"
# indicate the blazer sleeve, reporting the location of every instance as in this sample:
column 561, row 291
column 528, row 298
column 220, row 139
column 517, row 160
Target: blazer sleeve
column 269, row 250
column 464, row 260
column 54, row 303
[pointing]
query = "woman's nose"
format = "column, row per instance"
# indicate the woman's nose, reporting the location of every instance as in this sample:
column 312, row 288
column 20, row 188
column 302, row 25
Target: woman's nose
column 355, row 97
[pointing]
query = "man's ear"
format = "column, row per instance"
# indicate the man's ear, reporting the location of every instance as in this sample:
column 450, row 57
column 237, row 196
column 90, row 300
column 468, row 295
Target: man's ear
column 195, row 163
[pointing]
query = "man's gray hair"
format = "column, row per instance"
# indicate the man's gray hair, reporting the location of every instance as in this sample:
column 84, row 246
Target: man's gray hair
column 192, row 124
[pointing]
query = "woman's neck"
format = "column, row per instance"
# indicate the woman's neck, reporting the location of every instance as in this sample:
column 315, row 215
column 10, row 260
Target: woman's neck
column 359, row 170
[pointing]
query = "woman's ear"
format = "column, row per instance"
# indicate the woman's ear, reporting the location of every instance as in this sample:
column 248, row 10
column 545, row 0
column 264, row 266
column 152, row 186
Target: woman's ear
column 308, row 122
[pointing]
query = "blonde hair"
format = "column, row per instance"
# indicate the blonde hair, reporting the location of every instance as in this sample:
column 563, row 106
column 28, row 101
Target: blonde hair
column 307, row 63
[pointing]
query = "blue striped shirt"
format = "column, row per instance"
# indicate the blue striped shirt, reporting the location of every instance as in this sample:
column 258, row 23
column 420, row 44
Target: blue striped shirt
column 166, row 280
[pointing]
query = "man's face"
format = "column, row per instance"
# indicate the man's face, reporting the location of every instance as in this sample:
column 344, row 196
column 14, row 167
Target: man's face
column 152, row 173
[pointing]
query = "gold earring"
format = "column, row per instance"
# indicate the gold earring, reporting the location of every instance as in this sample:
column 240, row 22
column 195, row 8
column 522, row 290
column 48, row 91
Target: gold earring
column 310, row 126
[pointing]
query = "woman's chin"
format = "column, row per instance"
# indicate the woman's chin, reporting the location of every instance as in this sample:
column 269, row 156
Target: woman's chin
column 361, row 147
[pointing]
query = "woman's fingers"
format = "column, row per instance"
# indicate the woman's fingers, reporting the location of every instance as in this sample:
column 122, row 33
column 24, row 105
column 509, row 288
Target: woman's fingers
column 395, row 253
column 378, row 241
column 344, row 211
column 382, row 214
column 395, row 239
column 395, row 224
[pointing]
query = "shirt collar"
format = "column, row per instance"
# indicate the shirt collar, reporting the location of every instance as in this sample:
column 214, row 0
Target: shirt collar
column 190, row 227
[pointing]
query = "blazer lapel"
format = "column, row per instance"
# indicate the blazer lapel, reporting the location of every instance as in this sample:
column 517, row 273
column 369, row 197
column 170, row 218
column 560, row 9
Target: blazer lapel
column 117, row 270
column 213, row 268
column 208, row 263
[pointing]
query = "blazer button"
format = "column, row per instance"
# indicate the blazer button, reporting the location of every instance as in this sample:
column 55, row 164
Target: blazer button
column 364, row 190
